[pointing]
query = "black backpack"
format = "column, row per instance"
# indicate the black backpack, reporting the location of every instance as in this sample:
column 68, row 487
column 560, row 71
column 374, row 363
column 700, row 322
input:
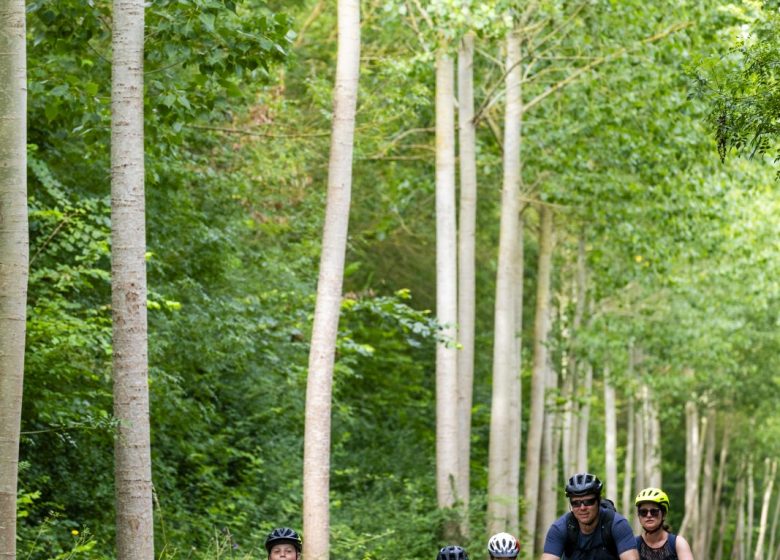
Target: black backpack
column 606, row 517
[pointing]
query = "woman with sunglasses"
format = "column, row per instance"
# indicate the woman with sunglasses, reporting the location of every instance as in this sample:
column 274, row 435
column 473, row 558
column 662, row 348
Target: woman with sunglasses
column 656, row 542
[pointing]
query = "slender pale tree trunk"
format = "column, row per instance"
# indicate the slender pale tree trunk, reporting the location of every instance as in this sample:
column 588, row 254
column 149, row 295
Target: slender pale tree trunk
column 576, row 390
column 539, row 373
column 751, row 507
column 628, row 466
column 14, row 256
column 770, row 471
column 653, row 442
column 133, row 464
column 724, row 451
column 515, row 406
column 771, row 550
column 568, row 430
column 584, row 418
column 502, row 499
column 466, row 274
column 706, row 525
column 692, row 468
column 722, row 532
column 610, row 438
column 738, row 548
column 446, row 290
column 640, row 453
column 548, row 480
column 319, row 383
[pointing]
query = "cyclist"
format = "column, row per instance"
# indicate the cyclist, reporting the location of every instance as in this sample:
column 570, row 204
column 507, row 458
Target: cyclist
column 589, row 531
column 656, row 542
column 283, row 543
column 452, row 552
column 503, row 545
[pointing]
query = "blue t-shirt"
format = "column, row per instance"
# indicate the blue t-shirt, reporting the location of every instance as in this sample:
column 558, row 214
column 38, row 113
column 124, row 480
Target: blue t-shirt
column 621, row 532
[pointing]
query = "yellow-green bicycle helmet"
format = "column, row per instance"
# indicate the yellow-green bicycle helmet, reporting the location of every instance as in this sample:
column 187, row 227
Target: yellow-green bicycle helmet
column 655, row 495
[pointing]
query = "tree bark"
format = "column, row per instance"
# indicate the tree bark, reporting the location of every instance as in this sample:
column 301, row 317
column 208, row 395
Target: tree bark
column 751, row 507
column 706, row 525
column 610, row 438
column 14, row 257
column 133, row 465
column 653, row 442
column 515, row 403
column 628, row 475
column 466, row 274
column 584, row 419
column 446, row 291
column 692, row 468
column 319, row 383
column 538, row 380
column 770, row 471
column 771, row 550
column 717, row 500
column 548, row 480
column 504, row 431
column 738, row 550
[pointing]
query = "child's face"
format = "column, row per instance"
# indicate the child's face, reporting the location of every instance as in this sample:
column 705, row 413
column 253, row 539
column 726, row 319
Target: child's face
column 284, row 551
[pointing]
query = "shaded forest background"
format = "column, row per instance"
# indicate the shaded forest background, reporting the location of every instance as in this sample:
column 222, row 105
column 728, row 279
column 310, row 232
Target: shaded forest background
column 681, row 252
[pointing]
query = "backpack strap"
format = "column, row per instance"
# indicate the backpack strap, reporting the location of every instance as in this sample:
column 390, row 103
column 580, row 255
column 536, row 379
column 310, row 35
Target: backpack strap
column 572, row 534
column 606, row 518
column 671, row 544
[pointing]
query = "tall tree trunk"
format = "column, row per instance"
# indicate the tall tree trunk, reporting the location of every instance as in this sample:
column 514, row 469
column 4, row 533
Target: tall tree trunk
column 466, row 274
column 610, row 438
column 568, row 421
column 770, row 471
column 723, row 513
column 692, row 468
column 539, row 373
column 751, row 507
column 446, row 290
column 133, row 464
column 706, row 525
column 717, row 500
column 14, row 256
column 319, row 383
column 653, row 442
column 584, row 419
column 640, row 453
column 738, row 549
column 548, row 481
column 502, row 499
column 771, row 550
column 515, row 404
column 628, row 466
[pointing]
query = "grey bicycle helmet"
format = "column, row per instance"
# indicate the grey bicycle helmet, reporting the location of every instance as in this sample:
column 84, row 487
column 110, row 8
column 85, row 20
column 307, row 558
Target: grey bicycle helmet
column 452, row 552
column 283, row 535
column 583, row 483
column 503, row 545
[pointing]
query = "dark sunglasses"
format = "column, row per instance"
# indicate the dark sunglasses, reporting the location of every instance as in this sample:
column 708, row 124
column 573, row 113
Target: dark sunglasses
column 652, row 512
column 579, row 503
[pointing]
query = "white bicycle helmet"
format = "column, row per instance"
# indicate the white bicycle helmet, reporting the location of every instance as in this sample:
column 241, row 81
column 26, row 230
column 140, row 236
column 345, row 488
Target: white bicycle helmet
column 503, row 545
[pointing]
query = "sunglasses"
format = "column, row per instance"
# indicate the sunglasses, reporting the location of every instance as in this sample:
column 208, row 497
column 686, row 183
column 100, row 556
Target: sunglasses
column 587, row 503
column 652, row 512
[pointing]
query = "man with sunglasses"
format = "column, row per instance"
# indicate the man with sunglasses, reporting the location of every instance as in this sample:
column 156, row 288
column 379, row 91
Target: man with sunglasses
column 656, row 542
column 589, row 531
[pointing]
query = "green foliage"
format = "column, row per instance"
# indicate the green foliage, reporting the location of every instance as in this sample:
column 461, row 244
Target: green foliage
column 741, row 86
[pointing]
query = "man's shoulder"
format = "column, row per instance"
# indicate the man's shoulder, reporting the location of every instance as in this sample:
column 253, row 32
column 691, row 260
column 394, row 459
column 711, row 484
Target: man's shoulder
column 559, row 526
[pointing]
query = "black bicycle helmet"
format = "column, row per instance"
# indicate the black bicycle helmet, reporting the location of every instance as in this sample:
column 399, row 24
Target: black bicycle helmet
column 583, row 483
column 283, row 535
column 452, row 552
